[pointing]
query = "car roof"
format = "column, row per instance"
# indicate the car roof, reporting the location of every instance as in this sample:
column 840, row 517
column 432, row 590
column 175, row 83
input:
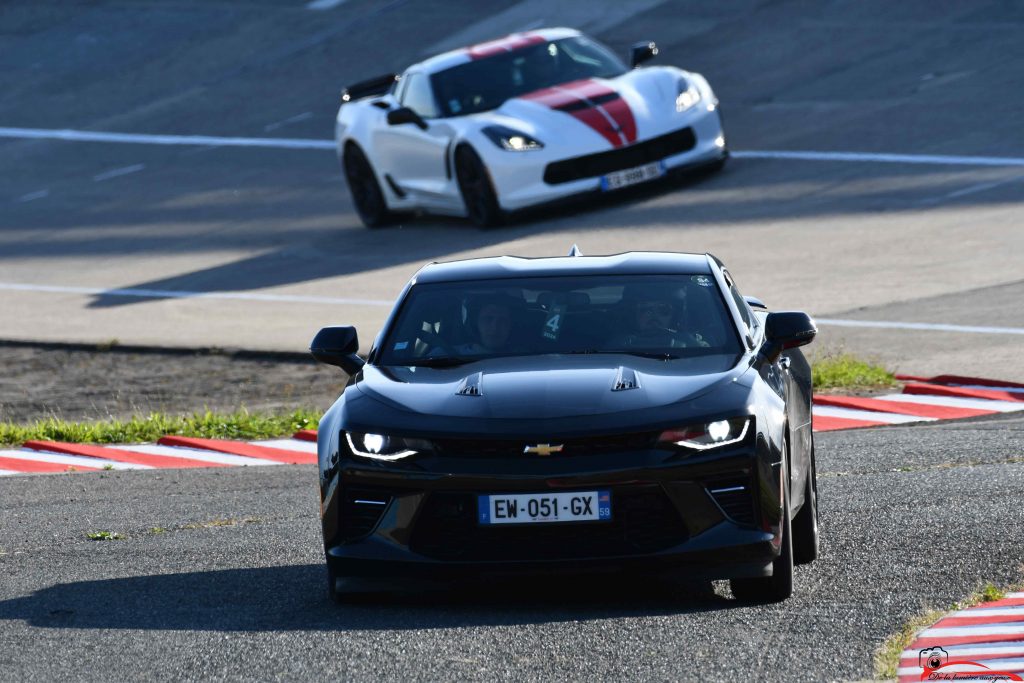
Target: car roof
column 509, row 267
column 461, row 55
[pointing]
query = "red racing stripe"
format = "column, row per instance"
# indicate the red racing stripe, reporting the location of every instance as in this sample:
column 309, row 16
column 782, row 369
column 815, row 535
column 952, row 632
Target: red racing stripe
column 305, row 435
column 241, row 448
column 117, row 455
column 615, row 108
column 18, row 465
column 516, row 41
column 918, row 409
column 941, row 390
column 574, row 99
column 828, row 424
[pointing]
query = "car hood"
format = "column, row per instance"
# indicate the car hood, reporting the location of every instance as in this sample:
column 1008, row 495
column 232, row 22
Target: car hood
column 532, row 388
column 609, row 112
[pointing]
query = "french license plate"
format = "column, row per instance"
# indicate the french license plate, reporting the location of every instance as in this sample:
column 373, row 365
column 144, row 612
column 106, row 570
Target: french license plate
column 532, row 508
column 632, row 176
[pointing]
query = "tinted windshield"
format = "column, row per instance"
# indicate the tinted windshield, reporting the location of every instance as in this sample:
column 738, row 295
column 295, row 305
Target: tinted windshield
column 668, row 316
column 484, row 84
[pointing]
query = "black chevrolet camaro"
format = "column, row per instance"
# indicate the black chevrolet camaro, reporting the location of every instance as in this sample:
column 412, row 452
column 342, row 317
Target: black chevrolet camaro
column 613, row 413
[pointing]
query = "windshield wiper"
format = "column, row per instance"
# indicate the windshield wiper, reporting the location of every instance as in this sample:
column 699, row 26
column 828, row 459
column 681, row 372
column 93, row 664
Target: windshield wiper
column 441, row 362
column 625, row 352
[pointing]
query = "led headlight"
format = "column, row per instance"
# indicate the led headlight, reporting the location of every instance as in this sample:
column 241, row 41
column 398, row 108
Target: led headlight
column 707, row 435
column 688, row 96
column 378, row 446
column 511, row 140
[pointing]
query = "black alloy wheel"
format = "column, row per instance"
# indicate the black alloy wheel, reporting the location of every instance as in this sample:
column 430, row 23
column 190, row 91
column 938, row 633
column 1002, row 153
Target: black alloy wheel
column 779, row 585
column 366, row 193
column 805, row 524
column 476, row 188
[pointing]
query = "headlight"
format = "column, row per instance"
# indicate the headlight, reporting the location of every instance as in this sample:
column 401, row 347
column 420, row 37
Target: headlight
column 378, row 446
column 708, row 434
column 688, row 96
column 511, row 140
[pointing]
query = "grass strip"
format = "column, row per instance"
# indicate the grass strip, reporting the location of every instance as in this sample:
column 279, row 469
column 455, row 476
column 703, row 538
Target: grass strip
column 839, row 371
column 887, row 657
column 240, row 424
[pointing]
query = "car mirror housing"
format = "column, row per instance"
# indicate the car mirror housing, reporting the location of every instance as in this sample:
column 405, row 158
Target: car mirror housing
column 338, row 346
column 397, row 117
column 642, row 52
column 787, row 330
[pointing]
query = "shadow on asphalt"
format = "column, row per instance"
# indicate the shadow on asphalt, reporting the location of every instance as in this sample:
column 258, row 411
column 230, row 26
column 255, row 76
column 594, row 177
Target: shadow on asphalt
column 294, row 598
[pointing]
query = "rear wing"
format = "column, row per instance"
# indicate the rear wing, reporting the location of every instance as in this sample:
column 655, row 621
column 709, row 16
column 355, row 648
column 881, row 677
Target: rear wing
column 369, row 87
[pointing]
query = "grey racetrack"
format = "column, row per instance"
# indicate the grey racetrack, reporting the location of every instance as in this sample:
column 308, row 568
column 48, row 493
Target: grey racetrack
column 219, row 575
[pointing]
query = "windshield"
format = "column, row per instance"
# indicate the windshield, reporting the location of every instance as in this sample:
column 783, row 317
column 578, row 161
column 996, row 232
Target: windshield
column 485, row 84
column 659, row 316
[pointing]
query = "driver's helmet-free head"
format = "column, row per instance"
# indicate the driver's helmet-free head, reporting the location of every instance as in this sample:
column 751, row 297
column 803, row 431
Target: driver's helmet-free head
column 491, row 317
column 652, row 306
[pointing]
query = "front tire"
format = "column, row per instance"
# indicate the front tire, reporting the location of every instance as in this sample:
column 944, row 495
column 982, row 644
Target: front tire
column 366, row 193
column 476, row 188
column 805, row 525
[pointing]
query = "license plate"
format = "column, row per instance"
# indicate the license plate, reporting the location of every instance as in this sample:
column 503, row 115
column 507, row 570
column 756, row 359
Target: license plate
column 532, row 508
column 632, row 176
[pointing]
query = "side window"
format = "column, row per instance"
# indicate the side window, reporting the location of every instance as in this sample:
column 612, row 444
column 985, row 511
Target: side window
column 419, row 97
column 745, row 313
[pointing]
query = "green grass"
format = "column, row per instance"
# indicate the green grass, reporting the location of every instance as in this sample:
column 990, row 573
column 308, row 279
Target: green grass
column 887, row 657
column 238, row 425
column 845, row 372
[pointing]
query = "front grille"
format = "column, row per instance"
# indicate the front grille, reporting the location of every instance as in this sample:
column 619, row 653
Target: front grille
column 361, row 510
column 593, row 165
column 734, row 498
column 643, row 521
column 513, row 448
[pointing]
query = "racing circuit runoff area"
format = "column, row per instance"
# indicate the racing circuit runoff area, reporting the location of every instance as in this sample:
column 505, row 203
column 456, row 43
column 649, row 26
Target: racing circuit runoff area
column 914, row 260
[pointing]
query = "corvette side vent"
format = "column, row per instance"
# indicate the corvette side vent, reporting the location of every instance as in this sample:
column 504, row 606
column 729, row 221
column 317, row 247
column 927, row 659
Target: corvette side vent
column 470, row 386
column 625, row 380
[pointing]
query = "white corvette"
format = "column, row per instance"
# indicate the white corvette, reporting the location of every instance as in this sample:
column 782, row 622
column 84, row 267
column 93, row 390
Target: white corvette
column 510, row 124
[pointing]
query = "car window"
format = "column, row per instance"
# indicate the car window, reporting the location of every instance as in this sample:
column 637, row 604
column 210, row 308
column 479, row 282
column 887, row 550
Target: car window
column 682, row 315
column 484, row 84
column 419, row 96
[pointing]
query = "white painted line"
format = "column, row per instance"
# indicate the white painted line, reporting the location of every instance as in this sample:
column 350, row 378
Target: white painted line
column 324, row 4
column 869, row 415
column 175, row 294
column 143, row 139
column 1009, row 647
column 982, row 612
column 942, row 160
column 114, row 173
column 32, row 196
column 294, row 119
column 289, row 445
column 1012, row 390
column 73, row 460
column 196, row 454
column 940, row 327
column 1005, row 665
column 956, row 402
column 1016, row 628
column 1014, row 596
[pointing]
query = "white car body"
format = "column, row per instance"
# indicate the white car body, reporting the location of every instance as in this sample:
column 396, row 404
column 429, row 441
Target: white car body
column 414, row 166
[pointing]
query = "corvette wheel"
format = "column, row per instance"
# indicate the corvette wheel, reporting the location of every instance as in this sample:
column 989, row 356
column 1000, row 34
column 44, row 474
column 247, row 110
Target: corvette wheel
column 366, row 192
column 779, row 585
column 477, row 191
column 805, row 525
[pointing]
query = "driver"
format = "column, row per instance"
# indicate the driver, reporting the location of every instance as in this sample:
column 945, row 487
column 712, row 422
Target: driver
column 653, row 313
column 490, row 321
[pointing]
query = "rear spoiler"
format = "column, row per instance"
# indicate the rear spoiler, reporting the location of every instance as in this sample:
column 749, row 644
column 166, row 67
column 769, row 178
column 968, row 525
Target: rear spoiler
column 369, row 87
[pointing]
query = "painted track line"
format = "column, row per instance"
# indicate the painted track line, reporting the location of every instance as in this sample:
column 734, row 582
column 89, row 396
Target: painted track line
column 197, row 454
column 932, row 159
column 962, row 392
column 75, row 461
column 117, row 454
column 241, row 448
column 289, row 445
column 868, row 415
column 934, row 327
column 15, row 462
column 977, row 403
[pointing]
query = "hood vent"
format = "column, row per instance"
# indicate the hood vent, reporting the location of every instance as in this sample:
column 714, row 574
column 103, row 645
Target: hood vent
column 625, row 380
column 470, row 386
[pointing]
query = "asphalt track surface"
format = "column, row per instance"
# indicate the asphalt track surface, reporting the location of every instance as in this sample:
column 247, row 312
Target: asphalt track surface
column 912, row 516
column 234, row 586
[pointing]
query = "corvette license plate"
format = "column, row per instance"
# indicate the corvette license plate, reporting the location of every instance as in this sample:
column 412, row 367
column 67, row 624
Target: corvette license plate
column 532, row 508
column 632, row 176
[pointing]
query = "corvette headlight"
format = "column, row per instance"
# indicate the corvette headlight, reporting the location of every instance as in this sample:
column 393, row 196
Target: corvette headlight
column 688, row 96
column 511, row 140
column 378, row 446
column 703, row 436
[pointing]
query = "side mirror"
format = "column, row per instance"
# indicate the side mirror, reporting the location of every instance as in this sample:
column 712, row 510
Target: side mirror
column 397, row 117
column 786, row 330
column 642, row 52
column 338, row 346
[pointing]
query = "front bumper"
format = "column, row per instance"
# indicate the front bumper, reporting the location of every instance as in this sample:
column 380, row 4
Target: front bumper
column 710, row 517
column 528, row 179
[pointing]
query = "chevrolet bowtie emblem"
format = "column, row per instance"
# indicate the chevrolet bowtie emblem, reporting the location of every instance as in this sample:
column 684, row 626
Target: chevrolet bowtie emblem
column 543, row 449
